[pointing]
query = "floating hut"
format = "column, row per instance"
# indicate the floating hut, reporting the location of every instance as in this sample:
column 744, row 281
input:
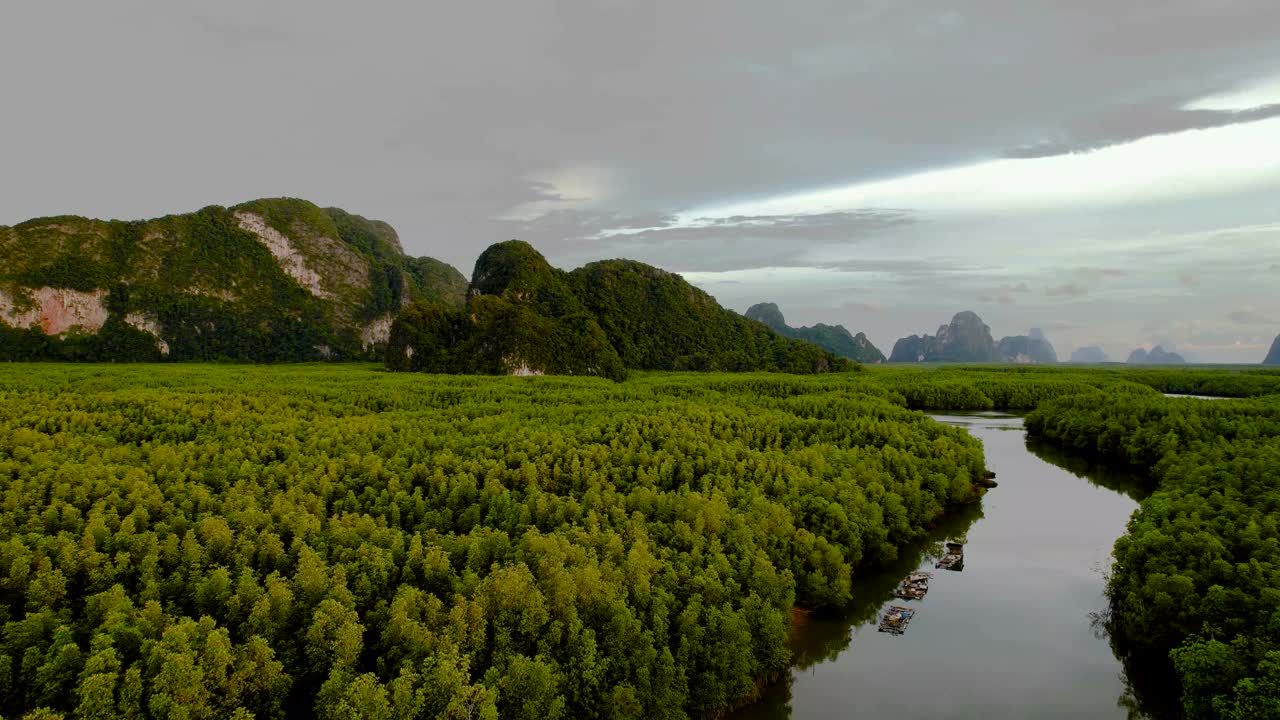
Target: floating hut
column 954, row 559
column 895, row 619
column 914, row 587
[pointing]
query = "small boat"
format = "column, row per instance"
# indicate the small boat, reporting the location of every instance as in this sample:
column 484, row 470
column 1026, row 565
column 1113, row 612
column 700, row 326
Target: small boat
column 895, row 619
column 954, row 559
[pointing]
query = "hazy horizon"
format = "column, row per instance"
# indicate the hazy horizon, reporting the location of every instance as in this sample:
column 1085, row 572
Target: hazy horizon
column 1100, row 172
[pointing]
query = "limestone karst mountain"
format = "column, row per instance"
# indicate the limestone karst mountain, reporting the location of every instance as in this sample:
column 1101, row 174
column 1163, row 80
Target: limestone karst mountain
column 834, row 338
column 965, row 339
column 1033, row 347
column 525, row 317
column 1156, row 356
column 1273, row 357
column 267, row 280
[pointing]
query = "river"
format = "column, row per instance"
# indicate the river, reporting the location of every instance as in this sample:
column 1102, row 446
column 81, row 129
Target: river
column 1012, row 635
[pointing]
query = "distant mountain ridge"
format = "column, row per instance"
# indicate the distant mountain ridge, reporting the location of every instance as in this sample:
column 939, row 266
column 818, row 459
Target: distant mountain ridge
column 525, row 317
column 967, row 339
column 1273, row 357
column 268, row 280
column 1157, row 356
column 834, row 338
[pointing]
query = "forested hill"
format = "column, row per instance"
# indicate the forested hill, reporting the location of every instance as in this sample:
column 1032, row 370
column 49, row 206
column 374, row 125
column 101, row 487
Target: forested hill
column 525, row 317
column 268, row 280
column 834, row 338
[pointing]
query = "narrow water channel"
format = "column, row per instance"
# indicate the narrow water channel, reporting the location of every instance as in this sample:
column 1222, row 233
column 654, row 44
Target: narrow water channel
column 1012, row 635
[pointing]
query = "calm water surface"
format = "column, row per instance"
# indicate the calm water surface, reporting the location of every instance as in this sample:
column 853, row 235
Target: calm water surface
column 1012, row 635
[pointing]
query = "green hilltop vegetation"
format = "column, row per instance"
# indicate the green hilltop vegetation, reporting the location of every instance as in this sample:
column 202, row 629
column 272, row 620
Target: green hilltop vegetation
column 832, row 338
column 268, row 280
column 525, row 317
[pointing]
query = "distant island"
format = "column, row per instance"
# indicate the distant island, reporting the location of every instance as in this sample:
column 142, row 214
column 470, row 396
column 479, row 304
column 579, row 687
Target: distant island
column 1033, row 347
column 1156, row 356
column 1273, row 357
column 965, row 339
column 1090, row 354
column 968, row 339
column 833, row 338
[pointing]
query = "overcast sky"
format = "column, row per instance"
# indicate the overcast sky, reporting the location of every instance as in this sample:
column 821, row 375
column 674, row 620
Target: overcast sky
column 1107, row 170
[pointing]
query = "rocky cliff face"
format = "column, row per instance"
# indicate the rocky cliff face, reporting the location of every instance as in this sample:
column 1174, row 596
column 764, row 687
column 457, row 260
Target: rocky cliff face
column 769, row 314
column 277, row 279
column 1091, row 354
column 1157, row 356
column 965, row 339
column 54, row 310
column 833, row 338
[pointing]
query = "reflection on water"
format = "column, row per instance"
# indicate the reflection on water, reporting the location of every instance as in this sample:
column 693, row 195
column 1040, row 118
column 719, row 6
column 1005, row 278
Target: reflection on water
column 1147, row 679
column 823, row 638
column 1017, row 634
column 1125, row 483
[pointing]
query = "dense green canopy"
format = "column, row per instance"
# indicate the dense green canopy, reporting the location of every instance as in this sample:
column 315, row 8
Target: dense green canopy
column 1197, row 578
column 187, row 541
column 335, row 542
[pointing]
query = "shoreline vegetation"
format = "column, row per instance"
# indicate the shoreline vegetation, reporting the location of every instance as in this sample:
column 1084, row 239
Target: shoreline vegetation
column 1196, row 580
column 335, row 541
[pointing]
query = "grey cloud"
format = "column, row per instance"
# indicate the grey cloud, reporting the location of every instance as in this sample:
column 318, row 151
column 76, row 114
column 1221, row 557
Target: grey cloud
column 1067, row 290
column 1188, row 280
column 733, row 243
column 1205, row 336
column 1061, row 325
column 238, row 35
column 1135, row 122
column 1004, row 295
column 433, row 117
column 863, row 307
column 1250, row 317
column 1096, row 273
column 913, row 269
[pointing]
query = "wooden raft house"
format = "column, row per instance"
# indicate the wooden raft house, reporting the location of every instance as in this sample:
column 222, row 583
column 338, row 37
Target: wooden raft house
column 914, row 587
column 895, row 619
column 954, row 559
